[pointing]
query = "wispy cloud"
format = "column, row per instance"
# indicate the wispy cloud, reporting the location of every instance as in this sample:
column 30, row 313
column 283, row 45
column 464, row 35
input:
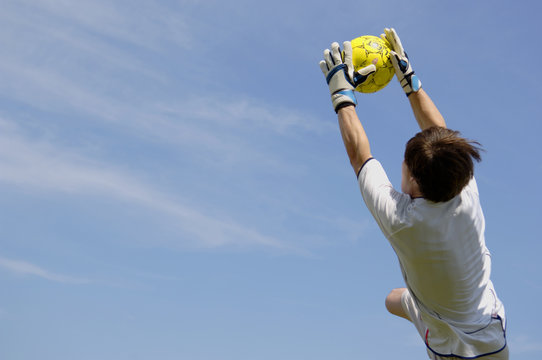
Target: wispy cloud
column 42, row 165
column 25, row 268
column 149, row 25
column 65, row 68
column 209, row 126
column 244, row 111
column 77, row 63
column 86, row 63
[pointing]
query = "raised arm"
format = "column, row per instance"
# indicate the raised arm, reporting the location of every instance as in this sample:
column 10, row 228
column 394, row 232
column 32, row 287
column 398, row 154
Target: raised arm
column 354, row 137
column 425, row 111
column 342, row 80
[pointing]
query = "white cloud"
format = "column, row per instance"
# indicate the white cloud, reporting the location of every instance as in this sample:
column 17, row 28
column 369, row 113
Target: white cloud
column 65, row 69
column 26, row 268
column 209, row 126
column 243, row 111
column 149, row 25
column 41, row 165
column 95, row 62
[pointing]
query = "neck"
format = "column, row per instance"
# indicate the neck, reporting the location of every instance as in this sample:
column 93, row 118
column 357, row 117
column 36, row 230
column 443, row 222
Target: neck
column 415, row 191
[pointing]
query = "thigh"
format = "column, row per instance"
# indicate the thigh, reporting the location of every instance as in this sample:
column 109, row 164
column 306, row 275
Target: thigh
column 411, row 310
column 413, row 313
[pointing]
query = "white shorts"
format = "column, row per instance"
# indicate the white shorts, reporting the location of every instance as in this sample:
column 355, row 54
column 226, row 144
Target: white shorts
column 411, row 309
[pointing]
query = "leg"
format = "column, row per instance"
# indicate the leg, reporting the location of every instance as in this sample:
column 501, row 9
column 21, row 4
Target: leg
column 393, row 303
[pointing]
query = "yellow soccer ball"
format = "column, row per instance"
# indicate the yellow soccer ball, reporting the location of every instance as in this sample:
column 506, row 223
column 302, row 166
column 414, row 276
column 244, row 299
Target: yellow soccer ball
column 367, row 50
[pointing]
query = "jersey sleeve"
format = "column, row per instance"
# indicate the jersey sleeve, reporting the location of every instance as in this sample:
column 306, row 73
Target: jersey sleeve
column 388, row 206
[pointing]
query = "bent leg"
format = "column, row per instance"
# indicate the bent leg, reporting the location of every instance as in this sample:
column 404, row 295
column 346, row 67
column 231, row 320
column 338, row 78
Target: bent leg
column 394, row 305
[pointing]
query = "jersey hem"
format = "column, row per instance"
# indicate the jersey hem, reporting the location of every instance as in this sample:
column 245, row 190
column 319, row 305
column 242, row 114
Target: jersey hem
column 472, row 357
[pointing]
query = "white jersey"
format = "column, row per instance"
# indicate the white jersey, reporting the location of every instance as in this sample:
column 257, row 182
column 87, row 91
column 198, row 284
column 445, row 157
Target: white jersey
column 444, row 261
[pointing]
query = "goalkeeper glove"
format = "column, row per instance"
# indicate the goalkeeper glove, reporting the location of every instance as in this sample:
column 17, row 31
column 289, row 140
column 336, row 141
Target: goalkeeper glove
column 340, row 75
column 403, row 69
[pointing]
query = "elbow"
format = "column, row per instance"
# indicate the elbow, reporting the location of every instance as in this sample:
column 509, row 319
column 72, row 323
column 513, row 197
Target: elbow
column 358, row 162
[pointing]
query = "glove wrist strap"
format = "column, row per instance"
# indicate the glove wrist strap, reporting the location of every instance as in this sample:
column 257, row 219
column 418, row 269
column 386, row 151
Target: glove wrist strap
column 411, row 83
column 343, row 98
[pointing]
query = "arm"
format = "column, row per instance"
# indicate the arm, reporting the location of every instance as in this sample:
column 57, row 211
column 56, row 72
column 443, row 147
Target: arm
column 425, row 111
column 354, row 137
column 342, row 80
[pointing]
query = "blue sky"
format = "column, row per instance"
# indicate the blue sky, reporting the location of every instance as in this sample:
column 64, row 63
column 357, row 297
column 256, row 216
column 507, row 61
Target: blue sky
column 174, row 185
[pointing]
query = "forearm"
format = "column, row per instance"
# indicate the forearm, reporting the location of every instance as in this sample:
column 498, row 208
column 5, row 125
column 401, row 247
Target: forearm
column 425, row 111
column 354, row 137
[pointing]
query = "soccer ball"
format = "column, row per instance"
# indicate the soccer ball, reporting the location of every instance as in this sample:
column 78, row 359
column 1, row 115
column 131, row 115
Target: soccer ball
column 367, row 50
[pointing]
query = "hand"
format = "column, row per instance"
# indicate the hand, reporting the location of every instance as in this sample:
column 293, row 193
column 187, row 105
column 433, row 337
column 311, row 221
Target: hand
column 399, row 58
column 340, row 75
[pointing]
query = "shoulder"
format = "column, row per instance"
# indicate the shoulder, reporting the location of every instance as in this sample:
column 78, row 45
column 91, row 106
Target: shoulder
column 471, row 187
column 372, row 169
column 389, row 207
column 373, row 180
column 470, row 194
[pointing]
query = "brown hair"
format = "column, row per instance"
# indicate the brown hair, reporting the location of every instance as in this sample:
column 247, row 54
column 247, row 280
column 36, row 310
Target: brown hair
column 441, row 162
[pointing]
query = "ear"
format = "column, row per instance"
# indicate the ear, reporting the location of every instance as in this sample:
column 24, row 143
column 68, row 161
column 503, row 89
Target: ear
column 415, row 188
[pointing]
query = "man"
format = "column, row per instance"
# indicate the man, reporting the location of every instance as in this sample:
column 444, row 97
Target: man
column 435, row 226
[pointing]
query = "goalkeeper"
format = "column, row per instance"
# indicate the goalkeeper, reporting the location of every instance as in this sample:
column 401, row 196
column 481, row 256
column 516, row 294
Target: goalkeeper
column 435, row 225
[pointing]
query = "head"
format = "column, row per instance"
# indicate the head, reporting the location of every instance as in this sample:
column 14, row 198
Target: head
column 438, row 163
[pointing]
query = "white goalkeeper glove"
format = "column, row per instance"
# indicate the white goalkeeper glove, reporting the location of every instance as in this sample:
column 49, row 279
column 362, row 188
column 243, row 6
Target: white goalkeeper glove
column 340, row 75
column 403, row 70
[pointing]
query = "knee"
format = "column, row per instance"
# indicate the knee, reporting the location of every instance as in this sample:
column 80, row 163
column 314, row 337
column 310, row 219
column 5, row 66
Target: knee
column 393, row 301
